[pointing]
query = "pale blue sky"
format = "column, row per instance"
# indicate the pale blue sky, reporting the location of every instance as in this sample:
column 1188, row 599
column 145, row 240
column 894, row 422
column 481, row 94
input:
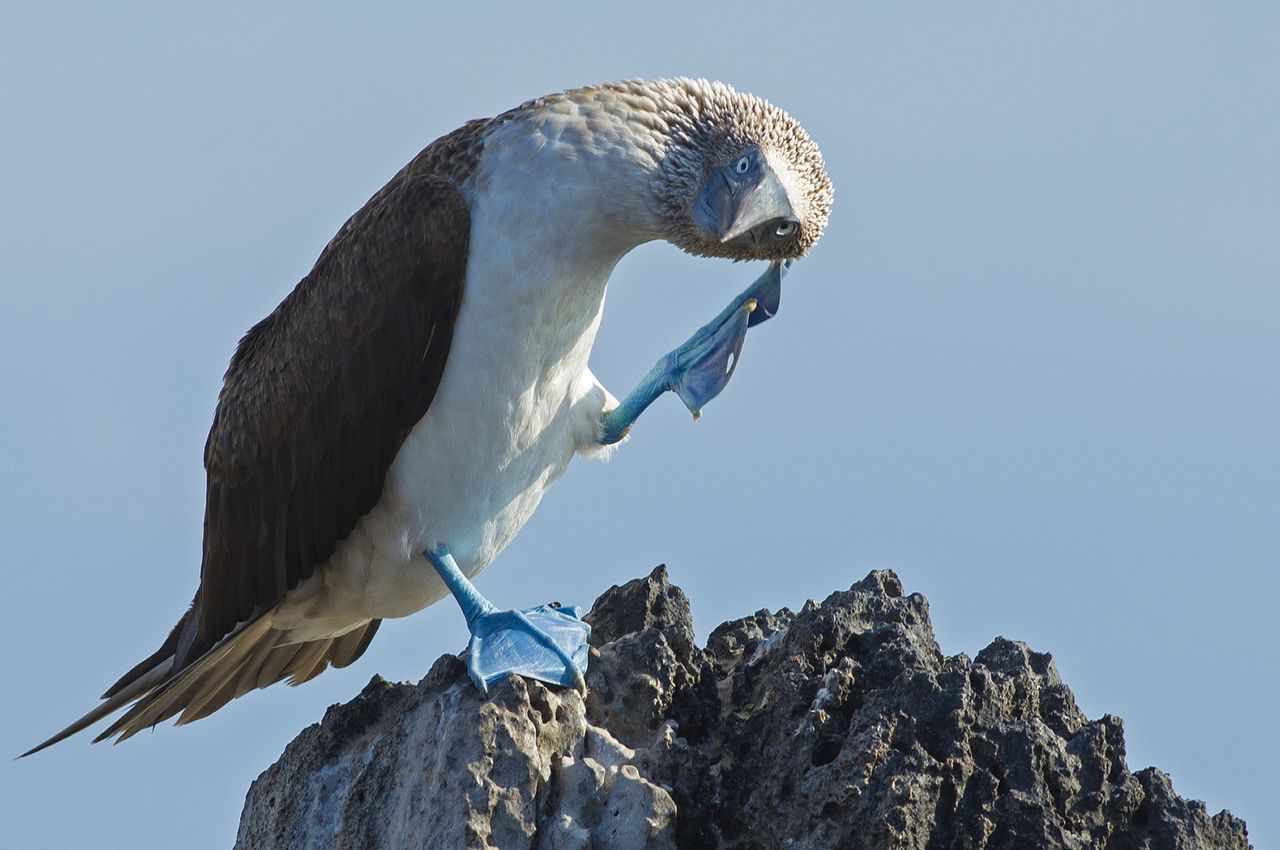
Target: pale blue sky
column 1031, row 367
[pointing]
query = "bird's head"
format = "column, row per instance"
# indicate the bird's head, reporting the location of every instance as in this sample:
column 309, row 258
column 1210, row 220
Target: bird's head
column 740, row 178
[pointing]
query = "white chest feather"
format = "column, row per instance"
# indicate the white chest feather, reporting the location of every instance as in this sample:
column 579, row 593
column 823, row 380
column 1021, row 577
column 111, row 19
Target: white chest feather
column 515, row 403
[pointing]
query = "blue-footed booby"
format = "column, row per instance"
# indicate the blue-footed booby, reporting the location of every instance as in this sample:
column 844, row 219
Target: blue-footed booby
column 390, row 427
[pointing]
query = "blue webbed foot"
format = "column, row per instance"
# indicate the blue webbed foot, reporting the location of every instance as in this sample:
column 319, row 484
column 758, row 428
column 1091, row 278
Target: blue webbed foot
column 544, row 643
column 698, row 370
column 547, row 643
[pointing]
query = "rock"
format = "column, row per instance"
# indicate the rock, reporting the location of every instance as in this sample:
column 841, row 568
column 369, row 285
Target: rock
column 842, row 725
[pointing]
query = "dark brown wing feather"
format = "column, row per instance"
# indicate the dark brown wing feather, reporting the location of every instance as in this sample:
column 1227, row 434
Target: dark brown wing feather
column 314, row 407
column 318, row 398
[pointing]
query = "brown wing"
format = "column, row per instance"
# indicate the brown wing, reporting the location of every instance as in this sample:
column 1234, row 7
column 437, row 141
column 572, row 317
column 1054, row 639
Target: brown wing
column 319, row 397
column 316, row 403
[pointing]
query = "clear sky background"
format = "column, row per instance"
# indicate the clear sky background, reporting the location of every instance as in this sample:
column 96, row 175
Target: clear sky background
column 1032, row 367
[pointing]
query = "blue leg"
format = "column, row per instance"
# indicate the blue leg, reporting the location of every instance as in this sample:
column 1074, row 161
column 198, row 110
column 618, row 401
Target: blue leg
column 698, row 370
column 545, row 643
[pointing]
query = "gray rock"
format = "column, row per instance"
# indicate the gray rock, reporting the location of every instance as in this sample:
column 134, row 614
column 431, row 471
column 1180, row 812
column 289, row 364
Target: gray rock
column 842, row 725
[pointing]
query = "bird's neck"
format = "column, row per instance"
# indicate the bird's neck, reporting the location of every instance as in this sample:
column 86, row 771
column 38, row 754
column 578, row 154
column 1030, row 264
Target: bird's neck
column 554, row 205
column 580, row 178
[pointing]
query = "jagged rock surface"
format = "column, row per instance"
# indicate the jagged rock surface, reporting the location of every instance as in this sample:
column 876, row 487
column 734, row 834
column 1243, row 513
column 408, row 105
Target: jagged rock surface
column 842, row 725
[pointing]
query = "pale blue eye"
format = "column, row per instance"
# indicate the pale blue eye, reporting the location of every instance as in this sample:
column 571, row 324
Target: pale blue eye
column 743, row 165
column 785, row 229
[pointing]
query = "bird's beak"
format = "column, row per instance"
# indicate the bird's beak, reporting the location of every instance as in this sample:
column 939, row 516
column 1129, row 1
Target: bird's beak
column 731, row 208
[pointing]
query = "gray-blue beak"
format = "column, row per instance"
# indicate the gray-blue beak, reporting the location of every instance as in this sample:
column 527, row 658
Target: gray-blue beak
column 750, row 208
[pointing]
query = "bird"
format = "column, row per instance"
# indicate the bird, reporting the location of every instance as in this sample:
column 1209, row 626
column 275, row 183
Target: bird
column 387, row 430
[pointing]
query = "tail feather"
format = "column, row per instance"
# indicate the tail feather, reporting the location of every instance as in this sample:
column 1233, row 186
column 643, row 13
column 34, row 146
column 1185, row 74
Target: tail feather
column 160, row 656
column 309, row 663
column 172, row 696
column 247, row 680
column 224, row 669
column 217, row 700
column 140, row 685
column 255, row 655
column 352, row 645
column 272, row 669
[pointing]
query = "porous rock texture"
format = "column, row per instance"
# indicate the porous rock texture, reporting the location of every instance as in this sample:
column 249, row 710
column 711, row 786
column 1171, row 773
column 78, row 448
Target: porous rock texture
column 841, row 725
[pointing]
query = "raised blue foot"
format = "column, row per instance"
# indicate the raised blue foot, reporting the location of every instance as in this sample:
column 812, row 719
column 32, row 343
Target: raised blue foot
column 545, row 643
column 700, row 368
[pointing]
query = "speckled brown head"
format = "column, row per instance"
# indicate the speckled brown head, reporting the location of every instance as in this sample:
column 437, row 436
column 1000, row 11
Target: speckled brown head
column 740, row 179
column 729, row 175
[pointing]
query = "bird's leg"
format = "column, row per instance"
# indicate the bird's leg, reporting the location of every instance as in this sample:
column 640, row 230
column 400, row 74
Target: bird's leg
column 698, row 370
column 546, row 643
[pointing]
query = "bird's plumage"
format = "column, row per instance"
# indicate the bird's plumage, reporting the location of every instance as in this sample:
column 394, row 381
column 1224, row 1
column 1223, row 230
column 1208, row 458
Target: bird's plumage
column 427, row 380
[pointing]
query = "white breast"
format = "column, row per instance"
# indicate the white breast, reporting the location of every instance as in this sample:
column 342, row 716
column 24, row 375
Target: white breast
column 515, row 403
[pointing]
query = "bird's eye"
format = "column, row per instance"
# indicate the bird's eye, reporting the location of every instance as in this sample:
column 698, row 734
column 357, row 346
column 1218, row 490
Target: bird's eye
column 785, row 229
column 743, row 165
